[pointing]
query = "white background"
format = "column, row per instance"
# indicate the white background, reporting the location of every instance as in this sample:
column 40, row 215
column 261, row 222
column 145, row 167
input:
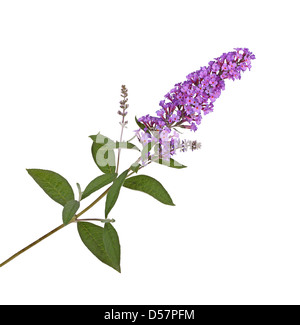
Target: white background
column 233, row 236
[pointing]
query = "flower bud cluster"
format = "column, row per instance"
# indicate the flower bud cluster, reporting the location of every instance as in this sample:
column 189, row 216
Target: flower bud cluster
column 123, row 105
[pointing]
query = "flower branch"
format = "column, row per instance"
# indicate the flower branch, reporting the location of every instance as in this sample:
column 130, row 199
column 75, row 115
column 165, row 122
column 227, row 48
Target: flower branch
column 158, row 141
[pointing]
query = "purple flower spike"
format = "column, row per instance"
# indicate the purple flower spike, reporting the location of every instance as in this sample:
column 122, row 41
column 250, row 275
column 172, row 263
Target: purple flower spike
column 184, row 104
column 187, row 100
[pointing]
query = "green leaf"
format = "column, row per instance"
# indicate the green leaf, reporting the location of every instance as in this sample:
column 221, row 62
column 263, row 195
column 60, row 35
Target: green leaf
column 104, row 159
column 135, row 167
column 92, row 237
column 150, row 186
column 53, row 184
column 69, row 211
column 169, row 163
column 115, row 145
column 114, row 191
column 141, row 125
column 101, row 139
column 112, row 245
column 126, row 145
column 103, row 152
column 98, row 183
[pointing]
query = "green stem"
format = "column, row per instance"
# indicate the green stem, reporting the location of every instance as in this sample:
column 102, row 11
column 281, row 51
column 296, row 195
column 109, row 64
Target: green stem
column 54, row 230
column 32, row 244
column 92, row 204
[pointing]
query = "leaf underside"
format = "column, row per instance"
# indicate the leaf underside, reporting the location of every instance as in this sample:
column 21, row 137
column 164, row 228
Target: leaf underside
column 69, row 211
